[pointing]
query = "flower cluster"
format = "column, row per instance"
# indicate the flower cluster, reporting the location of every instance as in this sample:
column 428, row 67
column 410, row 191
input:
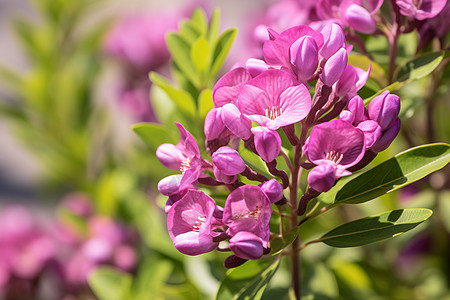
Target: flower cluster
column 273, row 93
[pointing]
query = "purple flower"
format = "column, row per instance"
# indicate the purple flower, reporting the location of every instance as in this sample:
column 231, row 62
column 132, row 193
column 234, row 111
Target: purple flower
column 189, row 222
column 228, row 161
column 273, row 190
column 247, row 245
column 272, row 100
column 334, row 39
column 421, row 10
column 384, row 109
column 351, row 81
column 337, row 144
column 213, row 124
column 185, row 156
column 278, row 52
column 248, row 209
column 334, row 67
column 267, row 143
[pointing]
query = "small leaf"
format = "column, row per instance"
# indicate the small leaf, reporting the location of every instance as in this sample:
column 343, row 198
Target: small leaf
column 221, row 49
column 108, row 283
column 200, row 52
column 214, row 22
column 188, row 32
column 181, row 55
column 248, row 281
column 153, row 134
column 205, row 103
column 181, row 98
column 372, row 229
column 420, row 66
column 403, row 169
column 279, row 243
column 199, row 20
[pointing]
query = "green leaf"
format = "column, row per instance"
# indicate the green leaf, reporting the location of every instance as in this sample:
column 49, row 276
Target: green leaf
column 199, row 20
column 181, row 98
column 181, row 55
column 372, row 229
column 403, row 169
column 108, row 283
column 420, row 66
column 248, row 281
column 188, row 31
column 205, row 103
column 214, row 22
column 221, row 49
column 279, row 243
column 200, row 53
column 153, row 134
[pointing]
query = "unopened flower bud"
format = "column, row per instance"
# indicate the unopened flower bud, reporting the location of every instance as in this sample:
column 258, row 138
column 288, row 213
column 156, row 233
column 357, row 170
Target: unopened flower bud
column 334, row 67
column 384, row 109
column 273, row 190
column 305, row 57
column 169, row 185
column 267, row 143
column 372, row 132
column 360, row 19
column 334, row 39
column 228, row 161
column 387, row 137
column 170, row 156
column 213, row 124
column 322, row 178
column 357, row 108
column 222, row 177
column 246, row 245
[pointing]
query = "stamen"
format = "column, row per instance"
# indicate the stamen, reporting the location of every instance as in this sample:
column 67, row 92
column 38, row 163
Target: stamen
column 185, row 165
column 334, row 156
column 198, row 223
column 252, row 213
column 273, row 112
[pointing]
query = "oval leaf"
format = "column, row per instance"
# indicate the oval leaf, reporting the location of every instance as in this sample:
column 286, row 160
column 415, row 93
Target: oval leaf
column 200, row 53
column 372, row 229
column 221, row 49
column 420, row 66
column 248, row 281
column 153, row 134
column 403, row 169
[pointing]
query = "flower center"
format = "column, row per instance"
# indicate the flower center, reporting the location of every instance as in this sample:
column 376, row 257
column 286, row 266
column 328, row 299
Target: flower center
column 334, row 156
column 185, row 165
column 198, row 223
column 273, row 112
column 250, row 214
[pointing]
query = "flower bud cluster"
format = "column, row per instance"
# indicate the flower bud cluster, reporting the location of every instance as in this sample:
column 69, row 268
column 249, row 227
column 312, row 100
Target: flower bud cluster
column 274, row 95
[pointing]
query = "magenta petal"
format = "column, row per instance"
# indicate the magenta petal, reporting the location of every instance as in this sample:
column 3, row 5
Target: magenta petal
column 273, row 190
column 387, row 137
column 305, row 57
column 337, row 138
column 334, row 67
column 346, row 82
column 246, row 245
column 360, row 19
column 273, row 82
column 228, row 161
column 384, row 109
column 295, row 103
column 170, row 156
column 334, row 40
column 372, row 132
column 362, row 77
column 213, row 124
column 347, row 116
column 188, row 142
column 169, row 185
column 227, row 88
column 322, row 177
column 238, row 124
column 256, row 66
column 189, row 223
column 267, row 143
column 357, row 108
column 222, row 177
column 253, row 100
column 248, row 209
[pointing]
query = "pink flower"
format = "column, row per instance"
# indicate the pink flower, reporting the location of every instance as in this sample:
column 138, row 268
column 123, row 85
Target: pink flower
column 421, row 10
column 248, row 209
column 189, row 222
column 272, row 100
